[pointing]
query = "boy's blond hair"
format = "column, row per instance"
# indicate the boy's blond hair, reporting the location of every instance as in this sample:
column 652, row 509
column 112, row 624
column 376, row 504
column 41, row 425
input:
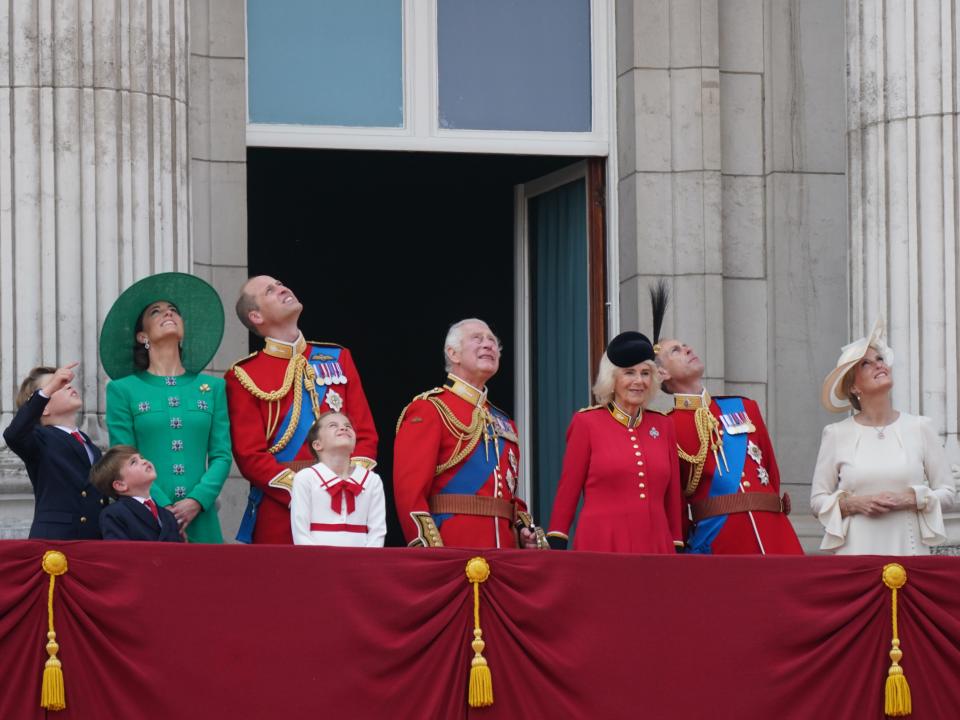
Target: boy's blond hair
column 31, row 383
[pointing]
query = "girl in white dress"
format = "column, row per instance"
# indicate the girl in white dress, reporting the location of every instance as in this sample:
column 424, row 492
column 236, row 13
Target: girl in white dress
column 333, row 502
column 882, row 481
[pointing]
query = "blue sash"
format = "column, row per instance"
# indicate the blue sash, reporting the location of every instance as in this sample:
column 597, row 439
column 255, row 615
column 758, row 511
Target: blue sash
column 474, row 471
column 290, row 450
column 725, row 482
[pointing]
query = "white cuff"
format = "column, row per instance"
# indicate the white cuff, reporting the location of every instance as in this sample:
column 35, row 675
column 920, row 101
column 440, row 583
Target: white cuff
column 834, row 524
column 930, row 516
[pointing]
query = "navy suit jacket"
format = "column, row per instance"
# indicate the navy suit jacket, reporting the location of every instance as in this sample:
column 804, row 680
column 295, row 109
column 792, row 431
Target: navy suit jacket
column 130, row 519
column 67, row 505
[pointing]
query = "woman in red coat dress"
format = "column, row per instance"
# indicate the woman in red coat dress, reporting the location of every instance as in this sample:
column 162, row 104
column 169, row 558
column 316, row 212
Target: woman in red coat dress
column 623, row 461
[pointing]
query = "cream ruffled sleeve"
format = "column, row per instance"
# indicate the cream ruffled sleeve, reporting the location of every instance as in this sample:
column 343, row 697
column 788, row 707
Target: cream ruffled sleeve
column 825, row 493
column 939, row 492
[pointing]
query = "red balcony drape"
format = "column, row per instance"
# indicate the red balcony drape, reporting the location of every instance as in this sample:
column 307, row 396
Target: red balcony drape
column 153, row 630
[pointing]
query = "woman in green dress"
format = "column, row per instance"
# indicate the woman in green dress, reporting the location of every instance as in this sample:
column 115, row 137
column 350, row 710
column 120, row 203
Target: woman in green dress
column 157, row 336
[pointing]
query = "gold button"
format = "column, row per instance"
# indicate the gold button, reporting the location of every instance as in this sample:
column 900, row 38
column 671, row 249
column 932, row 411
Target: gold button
column 83, row 493
column 633, row 439
column 746, row 483
column 643, row 496
column 743, row 474
column 639, row 462
column 642, row 485
column 635, row 446
column 640, row 474
column 83, row 519
column 637, row 453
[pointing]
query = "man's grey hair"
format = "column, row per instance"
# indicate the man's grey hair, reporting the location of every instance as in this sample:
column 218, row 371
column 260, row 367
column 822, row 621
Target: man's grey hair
column 454, row 339
column 603, row 388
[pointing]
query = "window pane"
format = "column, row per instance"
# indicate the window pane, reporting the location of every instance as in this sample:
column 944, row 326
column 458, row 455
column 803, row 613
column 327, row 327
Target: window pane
column 326, row 62
column 514, row 64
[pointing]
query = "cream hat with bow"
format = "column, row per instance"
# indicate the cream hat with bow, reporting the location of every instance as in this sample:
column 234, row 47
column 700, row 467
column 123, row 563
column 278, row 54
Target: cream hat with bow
column 831, row 395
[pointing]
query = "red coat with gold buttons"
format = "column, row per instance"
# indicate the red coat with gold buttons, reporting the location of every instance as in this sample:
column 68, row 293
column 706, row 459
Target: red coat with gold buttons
column 251, row 418
column 425, row 441
column 737, row 536
column 629, row 480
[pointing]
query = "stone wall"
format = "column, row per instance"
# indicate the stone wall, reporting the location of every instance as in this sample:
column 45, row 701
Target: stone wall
column 732, row 186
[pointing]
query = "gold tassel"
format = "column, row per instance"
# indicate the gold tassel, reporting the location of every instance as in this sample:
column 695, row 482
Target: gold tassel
column 481, row 682
column 897, row 701
column 52, row 695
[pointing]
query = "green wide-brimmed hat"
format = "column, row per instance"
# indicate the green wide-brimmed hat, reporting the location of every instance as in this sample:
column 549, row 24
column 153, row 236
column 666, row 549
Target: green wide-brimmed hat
column 199, row 306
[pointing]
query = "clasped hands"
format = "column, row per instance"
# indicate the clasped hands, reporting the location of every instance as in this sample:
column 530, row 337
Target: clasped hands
column 879, row 504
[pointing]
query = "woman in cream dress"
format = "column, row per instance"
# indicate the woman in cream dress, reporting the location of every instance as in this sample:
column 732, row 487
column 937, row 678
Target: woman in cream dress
column 882, row 481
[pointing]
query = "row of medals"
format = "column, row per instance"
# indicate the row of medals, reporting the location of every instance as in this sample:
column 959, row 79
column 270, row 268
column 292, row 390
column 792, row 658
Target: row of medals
column 330, row 375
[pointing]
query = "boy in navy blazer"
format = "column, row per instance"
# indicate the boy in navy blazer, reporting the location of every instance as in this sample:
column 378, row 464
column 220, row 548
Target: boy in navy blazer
column 58, row 456
column 126, row 476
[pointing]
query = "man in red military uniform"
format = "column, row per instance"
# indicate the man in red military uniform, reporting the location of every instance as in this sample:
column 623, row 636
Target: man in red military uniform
column 457, row 458
column 275, row 395
column 727, row 466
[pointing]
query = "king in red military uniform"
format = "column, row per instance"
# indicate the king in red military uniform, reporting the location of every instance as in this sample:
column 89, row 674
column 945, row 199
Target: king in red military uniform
column 275, row 395
column 728, row 469
column 457, row 458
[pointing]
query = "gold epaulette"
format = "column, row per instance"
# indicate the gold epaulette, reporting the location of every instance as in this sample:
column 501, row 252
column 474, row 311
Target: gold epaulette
column 421, row 396
column 590, row 407
column 243, row 359
column 659, row 412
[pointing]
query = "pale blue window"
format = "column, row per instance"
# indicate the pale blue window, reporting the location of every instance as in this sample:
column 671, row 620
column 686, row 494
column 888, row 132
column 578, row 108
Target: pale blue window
column 514, row 64
column 326, row 62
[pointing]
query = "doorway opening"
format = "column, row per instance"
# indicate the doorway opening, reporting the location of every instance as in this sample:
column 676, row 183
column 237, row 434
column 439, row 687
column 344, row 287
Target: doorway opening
column 386, row 250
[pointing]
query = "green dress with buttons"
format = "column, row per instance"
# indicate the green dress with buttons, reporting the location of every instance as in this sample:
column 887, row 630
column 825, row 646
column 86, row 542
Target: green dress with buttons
column 180, row 424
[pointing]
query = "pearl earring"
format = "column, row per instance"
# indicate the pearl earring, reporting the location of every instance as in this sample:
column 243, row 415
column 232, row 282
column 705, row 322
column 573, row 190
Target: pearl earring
column 146, row 344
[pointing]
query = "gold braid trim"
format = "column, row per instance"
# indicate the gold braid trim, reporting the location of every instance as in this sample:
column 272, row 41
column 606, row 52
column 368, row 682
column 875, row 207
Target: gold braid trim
column 707, row 431
column 421, row 396
column 298, row 371
column 470, row 433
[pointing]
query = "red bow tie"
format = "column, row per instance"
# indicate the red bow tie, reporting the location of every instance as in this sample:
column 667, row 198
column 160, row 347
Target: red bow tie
column 343, row 489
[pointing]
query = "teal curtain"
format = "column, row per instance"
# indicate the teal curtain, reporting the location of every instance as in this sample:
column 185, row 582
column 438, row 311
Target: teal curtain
column 561, row 350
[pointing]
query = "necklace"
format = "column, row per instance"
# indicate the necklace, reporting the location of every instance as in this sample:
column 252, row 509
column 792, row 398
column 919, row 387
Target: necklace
column 880, row 435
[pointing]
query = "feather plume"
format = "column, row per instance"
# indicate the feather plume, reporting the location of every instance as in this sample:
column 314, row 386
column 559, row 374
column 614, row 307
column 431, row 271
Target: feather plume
column 659, row 296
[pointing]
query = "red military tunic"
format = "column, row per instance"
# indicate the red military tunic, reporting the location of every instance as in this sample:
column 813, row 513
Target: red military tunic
column 737, row 536
column 630, row 482
column 433, row 430
column 256, row 422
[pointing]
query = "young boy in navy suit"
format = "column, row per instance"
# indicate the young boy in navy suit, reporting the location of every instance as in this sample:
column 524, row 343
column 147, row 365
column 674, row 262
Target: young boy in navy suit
column 57, row 455
column 126, row 476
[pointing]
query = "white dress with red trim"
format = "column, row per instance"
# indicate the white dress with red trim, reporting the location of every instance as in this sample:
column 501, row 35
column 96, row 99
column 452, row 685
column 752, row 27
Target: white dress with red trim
column 346, row 512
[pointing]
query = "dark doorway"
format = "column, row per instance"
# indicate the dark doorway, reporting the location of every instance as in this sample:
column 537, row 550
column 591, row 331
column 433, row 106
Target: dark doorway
column 386, row 250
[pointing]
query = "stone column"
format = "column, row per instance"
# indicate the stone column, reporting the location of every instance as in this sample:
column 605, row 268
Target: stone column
column 902, row 137
column 93, row 176
column 218, row 170
column 806, row 247
column 668, row 144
